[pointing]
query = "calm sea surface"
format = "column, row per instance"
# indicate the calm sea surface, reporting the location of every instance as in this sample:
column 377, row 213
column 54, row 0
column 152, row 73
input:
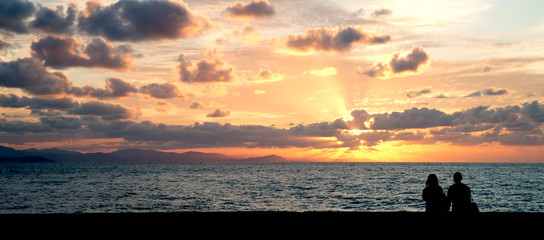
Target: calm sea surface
column 174, row 187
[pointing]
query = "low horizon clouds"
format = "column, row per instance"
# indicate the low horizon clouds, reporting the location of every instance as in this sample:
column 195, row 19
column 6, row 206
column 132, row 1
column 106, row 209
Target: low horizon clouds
column 509, row 125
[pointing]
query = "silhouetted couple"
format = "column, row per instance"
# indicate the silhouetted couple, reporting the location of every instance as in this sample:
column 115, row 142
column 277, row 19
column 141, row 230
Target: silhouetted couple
column 458, row 196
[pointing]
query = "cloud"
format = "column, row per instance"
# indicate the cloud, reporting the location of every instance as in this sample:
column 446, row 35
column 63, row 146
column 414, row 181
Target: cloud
column 254, row 9
column 327, row 71
column 115, row 88
column 163, row 106
column 246, row 34
column 106, row 111
column 333, row 39
column 157, row 90
column 61, row 122
column 264, row 76
column 13, row 14
column 382, row 12
column 412, row 93
column 396, row 65
column 509, row 125
column 37, row 103
column 218, row 113
column 64, row 52
column 210, row 68
column 195, row 105
column 128, row 20
column 55, row 21
column 31, row 76
column 489, row 92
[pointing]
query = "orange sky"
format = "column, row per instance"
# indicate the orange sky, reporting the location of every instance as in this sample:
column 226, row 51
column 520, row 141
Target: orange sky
column 308, row 80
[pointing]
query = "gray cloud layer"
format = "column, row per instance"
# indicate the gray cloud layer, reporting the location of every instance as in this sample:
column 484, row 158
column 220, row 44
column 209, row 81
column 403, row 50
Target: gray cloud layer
column 510, row 125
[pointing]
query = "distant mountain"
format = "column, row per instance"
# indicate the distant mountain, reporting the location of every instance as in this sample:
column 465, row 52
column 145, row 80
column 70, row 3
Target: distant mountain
column 127, row 155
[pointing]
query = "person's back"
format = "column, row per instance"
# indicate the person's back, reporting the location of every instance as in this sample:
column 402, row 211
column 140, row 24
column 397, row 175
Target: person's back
column 434, row 196
column 459, row 194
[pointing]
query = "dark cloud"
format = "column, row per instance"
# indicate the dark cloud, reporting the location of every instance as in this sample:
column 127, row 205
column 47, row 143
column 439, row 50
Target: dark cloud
column 55, row 21
column 489, row 92
column 509, row 125
column 63, row 52
column 382, row 12
column 128, row 20
column 397, row 65
column 115, row 88
column 62, row 122
column 18, row 127
column 412, row 93
column 13, row 14
column 105, row 111
column 411, row 118
column 157, row 90
column 30, row 75
column 254, row 9
column 13, row 101
column 333, row 39
column 218, row 113
column 210, row 68
column 195, row 105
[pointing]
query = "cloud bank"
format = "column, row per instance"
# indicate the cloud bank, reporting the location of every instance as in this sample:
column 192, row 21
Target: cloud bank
column 509, row 125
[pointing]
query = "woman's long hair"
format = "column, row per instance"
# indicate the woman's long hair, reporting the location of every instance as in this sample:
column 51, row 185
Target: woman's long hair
column 432, row 180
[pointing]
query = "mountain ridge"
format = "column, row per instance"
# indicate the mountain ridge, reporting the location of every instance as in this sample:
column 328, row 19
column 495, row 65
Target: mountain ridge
column 125, row 155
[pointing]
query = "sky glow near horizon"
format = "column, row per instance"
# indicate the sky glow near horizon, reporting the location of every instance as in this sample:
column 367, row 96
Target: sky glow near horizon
column 372, row 80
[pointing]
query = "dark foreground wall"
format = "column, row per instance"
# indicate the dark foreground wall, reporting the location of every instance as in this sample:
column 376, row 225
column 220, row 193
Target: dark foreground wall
column 273, row 225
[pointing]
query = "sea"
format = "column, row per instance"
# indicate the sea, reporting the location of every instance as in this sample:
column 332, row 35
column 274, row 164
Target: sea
column 36, row 188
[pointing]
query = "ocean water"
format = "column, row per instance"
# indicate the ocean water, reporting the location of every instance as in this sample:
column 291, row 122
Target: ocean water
column 211, row 187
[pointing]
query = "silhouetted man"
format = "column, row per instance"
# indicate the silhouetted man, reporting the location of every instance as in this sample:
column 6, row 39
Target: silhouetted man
column 459, row 194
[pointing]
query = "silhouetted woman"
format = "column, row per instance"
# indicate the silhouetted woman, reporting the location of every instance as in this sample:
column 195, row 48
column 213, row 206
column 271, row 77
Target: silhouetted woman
column 459, row 194
column 435, row 199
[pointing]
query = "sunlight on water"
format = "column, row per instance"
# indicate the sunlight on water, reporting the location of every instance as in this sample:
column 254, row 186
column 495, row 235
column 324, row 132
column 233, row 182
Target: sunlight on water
column 168, row 187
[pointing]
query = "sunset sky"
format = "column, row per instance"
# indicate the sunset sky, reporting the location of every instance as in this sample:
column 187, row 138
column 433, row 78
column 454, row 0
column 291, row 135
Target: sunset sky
column 387, row 80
